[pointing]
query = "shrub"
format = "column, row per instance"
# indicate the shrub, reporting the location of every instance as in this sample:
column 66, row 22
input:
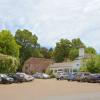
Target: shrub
column 92, row 65
column 8, row 64
column 50, row 72
column 33, row 72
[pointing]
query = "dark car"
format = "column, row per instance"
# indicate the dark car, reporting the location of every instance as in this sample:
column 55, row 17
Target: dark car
column 17, row 78
column 22, row 77
column 82, row 76
column 6, row 79
column 94, row 78
column 0, row 80
column 26, row 77
column 72, row 76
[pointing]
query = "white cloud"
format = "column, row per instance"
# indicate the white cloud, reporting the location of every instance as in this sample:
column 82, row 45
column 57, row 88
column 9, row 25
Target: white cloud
column 54, row 19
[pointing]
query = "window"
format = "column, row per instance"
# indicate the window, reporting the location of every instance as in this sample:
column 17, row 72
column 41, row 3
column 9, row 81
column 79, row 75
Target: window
column 78, row 64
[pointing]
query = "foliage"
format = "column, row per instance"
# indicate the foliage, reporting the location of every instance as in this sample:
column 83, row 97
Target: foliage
column 67, row 49
column 33, row 72
column 50, row 72
column 8, row 44
column 90, row 50
column 62, row 50
column 77, row 43
column 83, row 69
column 92, row 65
column 28, row 43
column 73, row 53
column 47, row 53
column 8, row 64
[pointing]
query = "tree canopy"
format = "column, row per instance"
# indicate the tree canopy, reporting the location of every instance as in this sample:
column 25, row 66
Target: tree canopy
column 25, row 45
column 8, row 44
column 62, row 50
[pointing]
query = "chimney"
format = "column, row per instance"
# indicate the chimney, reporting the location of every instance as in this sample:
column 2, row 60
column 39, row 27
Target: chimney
column 81, row 52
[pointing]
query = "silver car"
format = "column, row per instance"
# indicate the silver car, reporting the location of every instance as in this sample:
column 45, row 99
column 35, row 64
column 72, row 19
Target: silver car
column 61, row 76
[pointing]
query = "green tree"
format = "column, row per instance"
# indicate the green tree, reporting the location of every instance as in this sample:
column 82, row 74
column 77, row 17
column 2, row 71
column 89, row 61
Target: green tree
column 77, row 43
column 44, row 52
column 8, row 64
column 74, row 53
column 50, row 53
column 47, row 53
column 28, row 43
column 92, row 65
column 62, row 50
column 8, row 44
column 90, row 50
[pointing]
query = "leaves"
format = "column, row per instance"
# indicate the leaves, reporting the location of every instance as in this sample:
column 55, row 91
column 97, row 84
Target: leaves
column 8, row 44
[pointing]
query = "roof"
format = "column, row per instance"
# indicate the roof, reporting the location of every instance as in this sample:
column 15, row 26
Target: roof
column 37, row 64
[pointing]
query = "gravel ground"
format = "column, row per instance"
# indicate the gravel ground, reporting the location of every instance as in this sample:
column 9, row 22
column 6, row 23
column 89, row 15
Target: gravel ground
column 50, row 89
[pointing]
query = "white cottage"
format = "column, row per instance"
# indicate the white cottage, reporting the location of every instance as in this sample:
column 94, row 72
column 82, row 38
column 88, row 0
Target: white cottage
column 70, row 66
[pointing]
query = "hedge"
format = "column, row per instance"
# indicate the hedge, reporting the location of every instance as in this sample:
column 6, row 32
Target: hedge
column 8, row 64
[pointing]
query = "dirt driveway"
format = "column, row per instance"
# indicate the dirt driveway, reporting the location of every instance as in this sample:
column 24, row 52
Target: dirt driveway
column 42, row 89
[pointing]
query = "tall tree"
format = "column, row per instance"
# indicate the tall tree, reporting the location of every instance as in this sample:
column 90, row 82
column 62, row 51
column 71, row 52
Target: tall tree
column 62, row 50
column 47, row 53
column 90, row 50
column 28, row 43
column 8, row 44
column 77, row 43
column 74, row 53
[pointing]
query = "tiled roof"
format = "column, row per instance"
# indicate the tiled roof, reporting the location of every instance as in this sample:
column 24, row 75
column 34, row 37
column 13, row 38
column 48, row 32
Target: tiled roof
column 37, row 64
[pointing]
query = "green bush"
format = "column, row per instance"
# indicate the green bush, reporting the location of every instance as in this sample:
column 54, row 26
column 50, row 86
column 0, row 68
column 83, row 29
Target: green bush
column 8, row 64
column 33, row 72
column 50, row 72
column 92, row 65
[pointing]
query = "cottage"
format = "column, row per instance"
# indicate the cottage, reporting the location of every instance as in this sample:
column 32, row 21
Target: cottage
column 36, row 64
column 69, row 66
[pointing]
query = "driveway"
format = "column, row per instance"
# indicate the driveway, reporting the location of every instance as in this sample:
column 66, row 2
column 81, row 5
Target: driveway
column 50, row 89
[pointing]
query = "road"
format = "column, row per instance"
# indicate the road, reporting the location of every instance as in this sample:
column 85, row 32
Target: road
column 50, row 90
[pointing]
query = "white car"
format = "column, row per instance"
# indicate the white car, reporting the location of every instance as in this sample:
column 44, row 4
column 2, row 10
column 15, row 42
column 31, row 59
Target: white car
column 45, row 76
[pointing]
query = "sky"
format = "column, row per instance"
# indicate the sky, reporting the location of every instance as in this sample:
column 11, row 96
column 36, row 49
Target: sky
column 52, row 20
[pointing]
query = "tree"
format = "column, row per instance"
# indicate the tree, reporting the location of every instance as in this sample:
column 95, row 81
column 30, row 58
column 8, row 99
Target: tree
column 28, row 43
column 62, row 50
column 44, row 52
column 50, row 53
column 90, row 50
column 92, row 65
column 8, row 64
column 47, row 53
column 8, row 44
column 74, row 53
column 77, row 43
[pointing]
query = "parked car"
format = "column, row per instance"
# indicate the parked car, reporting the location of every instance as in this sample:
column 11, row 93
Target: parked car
column 0, row 79
column 45, row 76
column 82, row 76
column 94, row 78
column 37, row 75
column 41, row 75
column 71, row 76
column 24, row 77
column 6, row 79
column 62, row 76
